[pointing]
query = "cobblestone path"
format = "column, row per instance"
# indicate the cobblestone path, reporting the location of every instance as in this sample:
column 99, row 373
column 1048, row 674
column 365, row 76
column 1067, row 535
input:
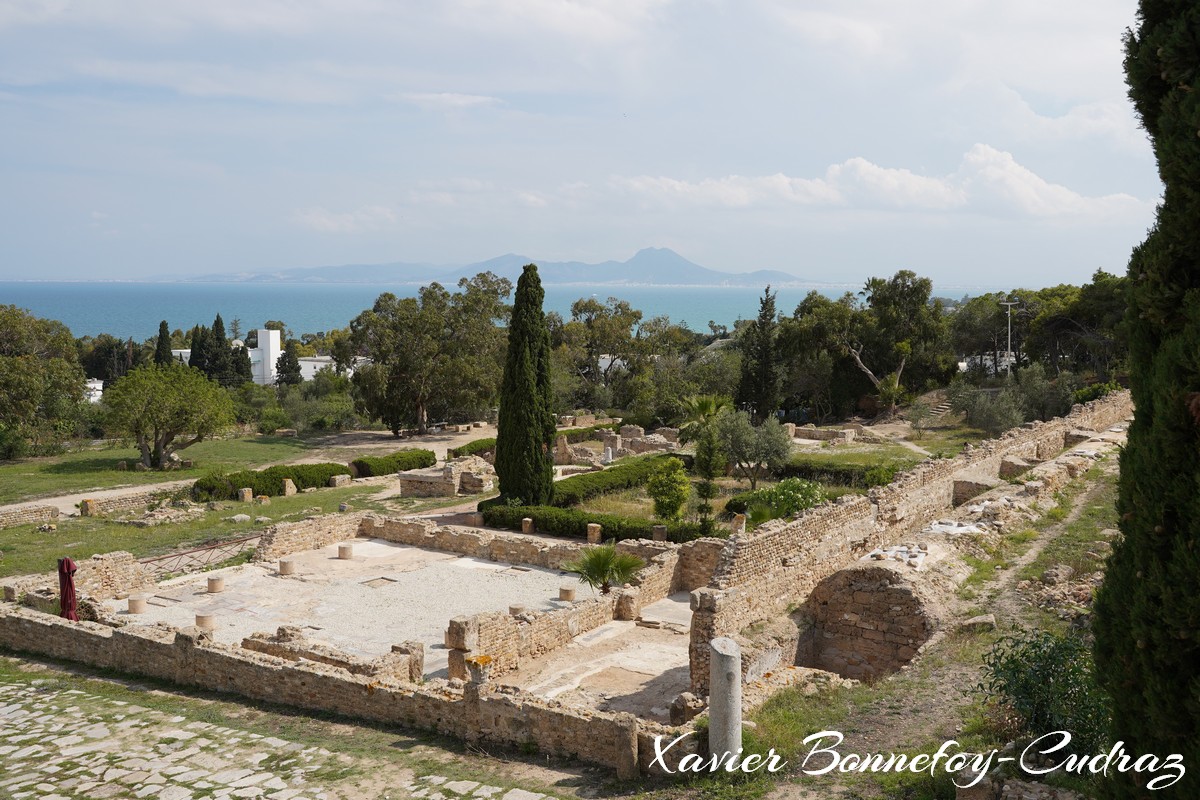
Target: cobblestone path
column 62, row 743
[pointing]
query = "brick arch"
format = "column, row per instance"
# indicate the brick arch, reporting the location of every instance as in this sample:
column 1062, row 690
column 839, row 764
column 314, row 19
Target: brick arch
column 865, row 622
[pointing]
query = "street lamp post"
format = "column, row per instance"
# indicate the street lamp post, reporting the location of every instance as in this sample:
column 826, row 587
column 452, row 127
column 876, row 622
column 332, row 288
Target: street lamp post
column 1008, row 304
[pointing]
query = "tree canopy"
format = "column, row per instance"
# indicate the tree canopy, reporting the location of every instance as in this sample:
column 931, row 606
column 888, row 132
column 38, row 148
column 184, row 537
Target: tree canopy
column 435, row 354
column 156, row 405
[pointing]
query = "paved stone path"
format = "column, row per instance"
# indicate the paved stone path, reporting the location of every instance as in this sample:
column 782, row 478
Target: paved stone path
column 60, row 744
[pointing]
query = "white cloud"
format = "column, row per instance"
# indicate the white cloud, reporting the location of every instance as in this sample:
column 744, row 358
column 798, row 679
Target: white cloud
column 362, row 220
column 449, row 101
column 988, row 181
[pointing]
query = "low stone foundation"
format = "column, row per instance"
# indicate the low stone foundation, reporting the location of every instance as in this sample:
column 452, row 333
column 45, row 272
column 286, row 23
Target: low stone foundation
column 28, row 515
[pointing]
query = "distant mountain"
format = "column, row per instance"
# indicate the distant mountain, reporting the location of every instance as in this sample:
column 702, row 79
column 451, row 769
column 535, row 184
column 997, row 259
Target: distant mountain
column 657, row 266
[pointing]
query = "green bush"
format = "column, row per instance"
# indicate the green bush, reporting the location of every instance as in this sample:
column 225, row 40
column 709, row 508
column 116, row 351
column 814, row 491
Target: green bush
column 400, row 461
column 573, row 523
column 574, row 490
column 473, row 448
column 1096, row 391
column 669, row 487
column 221, row 486
column 790, row 496
column 860, row 476
column 1048, row 681
column 577, row 435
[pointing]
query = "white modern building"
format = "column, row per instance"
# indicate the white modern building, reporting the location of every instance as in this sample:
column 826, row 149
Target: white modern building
column 264, row 356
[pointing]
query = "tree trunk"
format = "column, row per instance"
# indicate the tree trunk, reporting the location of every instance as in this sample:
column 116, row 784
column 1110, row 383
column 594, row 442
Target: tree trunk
column 422, row 417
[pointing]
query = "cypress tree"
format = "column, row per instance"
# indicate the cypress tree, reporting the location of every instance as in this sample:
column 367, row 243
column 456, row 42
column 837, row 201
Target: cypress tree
column 219, row 356
column 287, row 366
column 242, row 371
column 758, row 389
column 1147, row 613
column 199, row 353
column 162, row 348
column 524, row 461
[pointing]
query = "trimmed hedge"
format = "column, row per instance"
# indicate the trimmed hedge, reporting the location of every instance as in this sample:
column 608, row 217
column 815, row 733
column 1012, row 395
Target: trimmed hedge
column 860, row 476
column 219, row 486
column 473, row 448
column 400, row 461
column 572, row 522
column 577, row 435
column 574, row 490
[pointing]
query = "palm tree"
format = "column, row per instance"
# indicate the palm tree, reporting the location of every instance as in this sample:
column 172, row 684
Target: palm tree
column 698, row 411
column 602, row 567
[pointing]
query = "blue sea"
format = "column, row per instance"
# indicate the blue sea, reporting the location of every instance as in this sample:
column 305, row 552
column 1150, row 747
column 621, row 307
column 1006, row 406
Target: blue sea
column 134, row 309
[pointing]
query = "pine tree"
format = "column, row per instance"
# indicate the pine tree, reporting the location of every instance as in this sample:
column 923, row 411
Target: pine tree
column 162, row 348
column 287, row 366
column 758, row 390
column 524, row 462
column 1147, row 623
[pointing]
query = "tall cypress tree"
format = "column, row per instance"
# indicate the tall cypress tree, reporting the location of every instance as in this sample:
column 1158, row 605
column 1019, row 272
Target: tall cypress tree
column 220, row 355
column 287, row 366
column 162, row 348
column 524, row 461
column 198, row 359
column 1147, row 622
column 758, row 389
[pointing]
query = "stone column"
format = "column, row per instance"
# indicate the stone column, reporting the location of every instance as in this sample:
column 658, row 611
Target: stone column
column 593, row 533
column 345, row 552
column 660, row 533
column 527, row 525
column 724, row 698
column 216, row 584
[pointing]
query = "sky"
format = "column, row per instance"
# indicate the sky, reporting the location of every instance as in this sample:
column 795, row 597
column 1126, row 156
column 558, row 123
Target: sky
column 974, row 142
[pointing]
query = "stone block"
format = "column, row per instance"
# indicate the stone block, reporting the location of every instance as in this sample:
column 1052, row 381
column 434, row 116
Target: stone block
column 216, row 584
column 345, row 552
column 984, row 622
column 1012, row 466
column 966, row 489
column 287, row 566
column 137, row 605
column 527, row 525
column 632, row 431
column 593, row 533
column 289, row 488
column 738, row 525
column 245, row 495
column 462, row 633
column 262, row 500
column 659, row 533
column 566, row 593
column 1077, row 436
column 122, row 466
column 338, row 481
column 89, row 508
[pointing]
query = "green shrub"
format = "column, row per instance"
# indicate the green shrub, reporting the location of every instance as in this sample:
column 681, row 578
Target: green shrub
column 221, row 486
column 574, row 490
column 1096, row 391
column 860, row 476
column 473, row 448
column 787, row 498
column 1048, row 682
column 577, row 435
column 573, row 523
column 400, row 461
column 669, row 487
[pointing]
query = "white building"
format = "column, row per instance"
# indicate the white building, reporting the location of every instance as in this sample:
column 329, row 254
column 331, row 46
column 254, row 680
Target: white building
column 264, row 356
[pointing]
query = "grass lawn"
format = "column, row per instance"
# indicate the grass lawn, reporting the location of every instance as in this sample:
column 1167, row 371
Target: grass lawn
column 31, row 478
column 27, row 550
column 865, row 455
column 947, row 435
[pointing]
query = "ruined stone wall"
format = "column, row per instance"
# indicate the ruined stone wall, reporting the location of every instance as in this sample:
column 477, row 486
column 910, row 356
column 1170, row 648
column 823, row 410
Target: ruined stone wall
column 697, row 563
column 761, row 572
column 28, row 515
column 308, row 534
column 101, row 577
column 866, row 622
column 116, row 505
column 189, row 658
column 484, row 544
column 513, row 641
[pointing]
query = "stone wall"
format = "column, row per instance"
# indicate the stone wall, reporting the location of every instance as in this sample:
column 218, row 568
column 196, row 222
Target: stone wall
column 473, row 713
column 513, row 641
column 28, row 515
column 476, row 542
column 761, row 572
column 866, row 622
column 101, row 577
column 308, row 534
column 405, row 662
column 116, row 505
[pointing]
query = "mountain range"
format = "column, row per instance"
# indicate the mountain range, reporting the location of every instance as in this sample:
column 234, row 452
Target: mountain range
column 653, row 266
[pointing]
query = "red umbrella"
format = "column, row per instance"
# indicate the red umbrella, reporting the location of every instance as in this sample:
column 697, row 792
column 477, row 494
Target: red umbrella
column 66, row 589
